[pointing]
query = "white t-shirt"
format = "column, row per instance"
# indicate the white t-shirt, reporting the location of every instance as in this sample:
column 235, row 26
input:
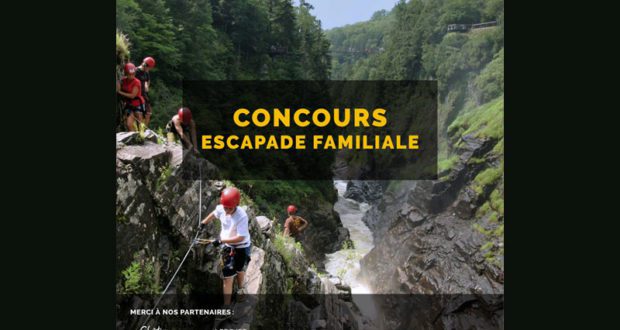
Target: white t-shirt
column 233, row 225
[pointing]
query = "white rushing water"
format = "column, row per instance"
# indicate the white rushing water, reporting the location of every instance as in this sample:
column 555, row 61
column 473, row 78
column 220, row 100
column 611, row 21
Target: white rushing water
column 345, row 263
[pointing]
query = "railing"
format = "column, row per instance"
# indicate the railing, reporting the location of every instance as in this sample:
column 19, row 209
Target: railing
column 483, row 25
column 467, row 27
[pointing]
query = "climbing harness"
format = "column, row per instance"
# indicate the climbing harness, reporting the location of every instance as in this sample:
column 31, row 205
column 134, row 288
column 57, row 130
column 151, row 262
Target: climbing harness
column 203, row 241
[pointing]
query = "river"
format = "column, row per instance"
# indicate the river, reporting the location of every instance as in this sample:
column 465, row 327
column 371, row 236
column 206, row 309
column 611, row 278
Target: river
column 345, row 263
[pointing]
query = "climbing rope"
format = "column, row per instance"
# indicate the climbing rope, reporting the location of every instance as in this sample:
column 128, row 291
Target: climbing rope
column 200, row 194
column 194, row 241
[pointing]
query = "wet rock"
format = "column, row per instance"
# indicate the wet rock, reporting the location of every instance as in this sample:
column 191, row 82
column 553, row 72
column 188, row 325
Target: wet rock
column 343, row 287
column 344, row 291
column 325, row 233
column 426, row 247
column 415, row 218
column 364, row 191
column 334, row 280
column 388, row 210
column 344, row 236
column 465, row 205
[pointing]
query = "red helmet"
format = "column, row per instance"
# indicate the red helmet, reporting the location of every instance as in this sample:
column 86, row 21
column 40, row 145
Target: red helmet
column 130, row 68
column 230, row 197
column 150, row 62
column 185, row 114
column 292, row 209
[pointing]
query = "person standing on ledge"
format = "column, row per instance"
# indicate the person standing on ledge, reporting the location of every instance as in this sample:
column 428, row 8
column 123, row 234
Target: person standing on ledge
column 131, row 90
column 235, row 237
column 142, row 73
column 294, row 224
column 183, row 126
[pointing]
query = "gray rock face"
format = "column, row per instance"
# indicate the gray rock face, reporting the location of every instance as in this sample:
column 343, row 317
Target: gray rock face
column 325, row 233
column 382, row 215
column 149, row 135
column 134, row 138
column 426, row 246
column 127, row 138
column 265, row 225
column 365, row 191
column 138, row 168
column 157, row 218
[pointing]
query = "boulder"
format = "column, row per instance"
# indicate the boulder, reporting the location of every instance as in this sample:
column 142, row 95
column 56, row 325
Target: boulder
column 264, row 224
column 149, row 135
column 128, row 138
column 364, row 191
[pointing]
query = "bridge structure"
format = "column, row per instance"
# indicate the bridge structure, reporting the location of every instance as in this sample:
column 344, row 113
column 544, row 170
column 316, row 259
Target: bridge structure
column 469, row 27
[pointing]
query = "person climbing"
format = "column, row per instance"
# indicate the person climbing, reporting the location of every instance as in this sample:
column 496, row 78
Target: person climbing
column 131, row 90
column 235, row 236
column 142, row 73
column 294, row 225
column 183, row 126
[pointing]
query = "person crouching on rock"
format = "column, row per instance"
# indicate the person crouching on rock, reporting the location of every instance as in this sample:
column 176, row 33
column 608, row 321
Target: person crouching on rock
column 183, row 126
column 131, row 89
column 294, row 224
column 235, row 237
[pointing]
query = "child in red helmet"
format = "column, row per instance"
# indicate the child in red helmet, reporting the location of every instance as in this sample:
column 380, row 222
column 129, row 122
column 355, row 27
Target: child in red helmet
column 235, row 237
column 142, row 73
column 294, row 224
column 131, row 89
column 182, row 126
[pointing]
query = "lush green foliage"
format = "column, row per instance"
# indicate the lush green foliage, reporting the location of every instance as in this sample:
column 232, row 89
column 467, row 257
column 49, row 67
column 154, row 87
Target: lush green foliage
column 273, row 39
column 139, row 278
column 286, row 246
column 411, row 42
column 492, row 225
column 486, row 121
column 486, row 178
column 447, row 163
column 163, row 177
column 221, row 40
column 351, row 46
column 490, row 82
column 273, row 196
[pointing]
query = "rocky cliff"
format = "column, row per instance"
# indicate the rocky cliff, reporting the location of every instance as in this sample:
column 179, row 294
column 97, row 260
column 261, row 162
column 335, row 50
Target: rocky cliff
column 157, row 213
column 439, row 244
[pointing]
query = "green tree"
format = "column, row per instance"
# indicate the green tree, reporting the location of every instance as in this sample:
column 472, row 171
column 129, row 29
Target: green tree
column 199, row 46
column 314, row 46
column 155, row 36
column 127, row 11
